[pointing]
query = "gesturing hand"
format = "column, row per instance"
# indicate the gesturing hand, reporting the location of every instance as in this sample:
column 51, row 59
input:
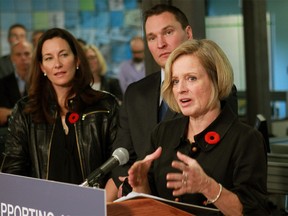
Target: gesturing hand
column 138, row 173
column 192, row 178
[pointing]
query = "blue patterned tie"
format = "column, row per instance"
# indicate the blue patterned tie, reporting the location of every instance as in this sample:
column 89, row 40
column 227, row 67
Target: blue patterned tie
column 162, row 110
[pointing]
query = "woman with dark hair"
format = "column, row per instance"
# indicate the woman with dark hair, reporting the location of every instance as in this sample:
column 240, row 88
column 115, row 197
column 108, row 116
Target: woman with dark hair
column 63, row 129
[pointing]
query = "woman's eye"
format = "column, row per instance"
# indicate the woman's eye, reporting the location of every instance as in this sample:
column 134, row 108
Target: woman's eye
column 174, row 82
column 192, row 78
column 47, row 58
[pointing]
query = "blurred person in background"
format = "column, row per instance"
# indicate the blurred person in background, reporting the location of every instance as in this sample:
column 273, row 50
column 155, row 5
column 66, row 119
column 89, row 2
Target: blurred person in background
column 16, row 33
column 134, row 69
column 14, row 85
column 82, row 42
column 36, row 36
column 98, row 68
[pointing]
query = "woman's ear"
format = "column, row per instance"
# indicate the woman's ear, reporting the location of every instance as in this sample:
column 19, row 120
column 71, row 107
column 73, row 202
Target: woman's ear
column 78, row 64
column 42, row 69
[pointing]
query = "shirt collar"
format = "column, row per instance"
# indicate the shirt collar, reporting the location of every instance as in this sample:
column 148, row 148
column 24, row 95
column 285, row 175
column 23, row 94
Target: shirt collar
column 220, row 125
column 17, row 75
column 162, row 75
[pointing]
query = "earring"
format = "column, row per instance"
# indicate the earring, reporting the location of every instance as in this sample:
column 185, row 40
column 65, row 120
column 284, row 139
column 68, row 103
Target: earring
column 45, row 74
column 77, row 68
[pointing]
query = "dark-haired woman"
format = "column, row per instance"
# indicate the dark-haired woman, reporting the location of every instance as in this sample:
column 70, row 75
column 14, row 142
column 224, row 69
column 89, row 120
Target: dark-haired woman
column 63, row 129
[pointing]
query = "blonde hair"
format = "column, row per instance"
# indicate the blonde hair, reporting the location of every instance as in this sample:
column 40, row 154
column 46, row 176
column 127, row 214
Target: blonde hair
column 100, row 58
column 214, row 61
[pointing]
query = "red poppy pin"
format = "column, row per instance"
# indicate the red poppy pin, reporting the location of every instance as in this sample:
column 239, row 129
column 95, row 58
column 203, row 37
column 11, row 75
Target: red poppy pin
column 212, row 137
column 73, row 117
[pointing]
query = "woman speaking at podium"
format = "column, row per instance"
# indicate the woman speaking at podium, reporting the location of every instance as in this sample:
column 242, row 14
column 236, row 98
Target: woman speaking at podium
column 207, row 157
column 64, row 129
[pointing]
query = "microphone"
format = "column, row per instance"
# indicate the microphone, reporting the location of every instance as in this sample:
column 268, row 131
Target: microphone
column 119, row 157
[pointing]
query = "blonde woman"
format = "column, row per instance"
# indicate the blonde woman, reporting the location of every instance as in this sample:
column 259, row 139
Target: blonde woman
column 98, row 67
column 207, row 157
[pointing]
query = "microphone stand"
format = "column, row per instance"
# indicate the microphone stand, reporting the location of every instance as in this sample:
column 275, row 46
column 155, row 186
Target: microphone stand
column 94, row 185
column 93, row 181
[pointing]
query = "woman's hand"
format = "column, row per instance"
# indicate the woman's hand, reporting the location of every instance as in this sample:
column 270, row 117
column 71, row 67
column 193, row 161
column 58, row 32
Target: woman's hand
column 4, row 114
column 138, row 173
column 122, row 179
column 192, row 178
column 111, row 191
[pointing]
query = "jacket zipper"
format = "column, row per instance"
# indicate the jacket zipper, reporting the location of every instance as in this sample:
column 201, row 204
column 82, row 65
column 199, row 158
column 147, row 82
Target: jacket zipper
column 89, row 113
column 77, row 140
column 49, row 149
column 78, row 147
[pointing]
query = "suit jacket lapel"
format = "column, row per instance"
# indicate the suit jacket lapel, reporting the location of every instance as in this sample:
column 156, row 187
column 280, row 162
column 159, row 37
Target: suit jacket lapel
column 154, row 95
column 14, row 93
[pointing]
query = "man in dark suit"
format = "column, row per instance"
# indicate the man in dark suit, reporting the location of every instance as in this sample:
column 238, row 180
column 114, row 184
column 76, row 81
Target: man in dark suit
column 16, row 33
column 166, row 28
column 13, row 86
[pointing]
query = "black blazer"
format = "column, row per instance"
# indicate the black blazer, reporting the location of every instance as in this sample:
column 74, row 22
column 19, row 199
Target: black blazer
column 112, row 86
column 138, row 117
column 9, row 91
column 6, row 66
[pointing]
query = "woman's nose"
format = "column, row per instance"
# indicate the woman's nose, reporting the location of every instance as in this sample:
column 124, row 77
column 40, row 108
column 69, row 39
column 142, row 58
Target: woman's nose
column 182, row 87
column 57, row 63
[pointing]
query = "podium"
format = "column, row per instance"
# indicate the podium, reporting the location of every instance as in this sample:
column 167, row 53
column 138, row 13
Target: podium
column 42, row 197
column 143, row 207
column 145, row 204
column 29, row 196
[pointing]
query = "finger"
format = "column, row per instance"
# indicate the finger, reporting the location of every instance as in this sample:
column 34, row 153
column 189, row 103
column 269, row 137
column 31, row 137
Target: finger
column 182, row 187
column 134, row 168
column 156, row 154
column 179, row 165
column 178, row 187
column 133, row 174
column 184, row 158
column 179, row 192
column 174, row 176
column 133, row 180
column 174, row 184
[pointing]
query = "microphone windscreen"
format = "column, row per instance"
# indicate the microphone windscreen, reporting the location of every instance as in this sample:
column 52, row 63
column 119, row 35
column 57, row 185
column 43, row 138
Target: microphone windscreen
column 122, row 155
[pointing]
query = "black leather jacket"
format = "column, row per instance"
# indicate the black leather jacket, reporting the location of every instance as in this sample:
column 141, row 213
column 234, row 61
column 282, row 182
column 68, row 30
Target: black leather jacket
column 27, row 148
